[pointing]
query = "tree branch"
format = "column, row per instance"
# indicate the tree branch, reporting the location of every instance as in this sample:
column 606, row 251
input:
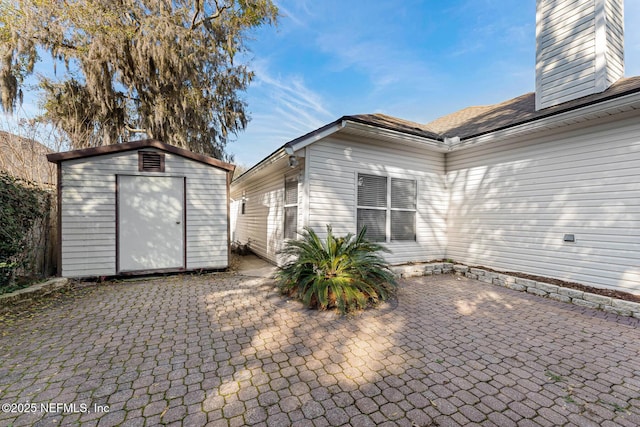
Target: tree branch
column 135, row 130
column 195, row 15
column 215, row 15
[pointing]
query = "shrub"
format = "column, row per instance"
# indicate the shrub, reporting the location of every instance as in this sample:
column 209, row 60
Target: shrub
column 20, row 206
column 344, row 272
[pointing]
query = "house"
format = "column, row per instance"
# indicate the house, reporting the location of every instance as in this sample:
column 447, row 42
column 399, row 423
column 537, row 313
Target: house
column 141, row 207
column 547, row 183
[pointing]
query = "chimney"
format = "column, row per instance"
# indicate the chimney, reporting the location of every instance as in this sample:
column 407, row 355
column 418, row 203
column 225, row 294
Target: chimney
column 579, row 48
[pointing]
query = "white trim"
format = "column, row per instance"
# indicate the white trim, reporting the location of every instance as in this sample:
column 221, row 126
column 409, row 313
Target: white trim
column 290, row 177
column 304, row 142
column 306, row 192
column 263, row 164
column 397, row 137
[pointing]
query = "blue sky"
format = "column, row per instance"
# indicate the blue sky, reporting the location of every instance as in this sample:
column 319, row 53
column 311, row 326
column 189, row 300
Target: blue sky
column 417, row 60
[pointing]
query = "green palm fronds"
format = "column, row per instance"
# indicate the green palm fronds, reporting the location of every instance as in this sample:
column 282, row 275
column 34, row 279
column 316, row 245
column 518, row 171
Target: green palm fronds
column 347, row 272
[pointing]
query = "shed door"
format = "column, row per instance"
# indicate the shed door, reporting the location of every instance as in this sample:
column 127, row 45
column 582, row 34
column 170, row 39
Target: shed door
column 150, row 222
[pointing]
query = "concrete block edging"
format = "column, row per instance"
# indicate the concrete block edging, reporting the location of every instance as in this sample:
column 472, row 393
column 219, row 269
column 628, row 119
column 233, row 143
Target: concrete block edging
column 540, row 288
column 26, row 295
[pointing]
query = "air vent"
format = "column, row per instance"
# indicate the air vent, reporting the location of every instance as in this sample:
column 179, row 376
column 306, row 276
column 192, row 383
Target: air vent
column 150, row 161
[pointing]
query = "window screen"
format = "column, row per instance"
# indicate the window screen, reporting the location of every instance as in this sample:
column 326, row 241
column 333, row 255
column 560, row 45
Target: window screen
column 403, row 225
column 403, row 193
column 376, row 222
column 291, row 192
column 290, row 208
column 290, row 222
column 387, row 220
column 372, row 191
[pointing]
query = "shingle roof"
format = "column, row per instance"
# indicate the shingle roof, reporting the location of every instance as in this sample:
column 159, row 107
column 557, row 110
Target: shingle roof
column 394, row 123
column 474, row 121
column 478, row 120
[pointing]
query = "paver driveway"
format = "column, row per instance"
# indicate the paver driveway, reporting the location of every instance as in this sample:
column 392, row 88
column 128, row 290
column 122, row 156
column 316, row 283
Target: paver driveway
column 227, row 350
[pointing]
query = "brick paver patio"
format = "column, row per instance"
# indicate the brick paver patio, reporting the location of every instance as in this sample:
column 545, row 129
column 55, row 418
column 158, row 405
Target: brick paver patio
column 228, row 350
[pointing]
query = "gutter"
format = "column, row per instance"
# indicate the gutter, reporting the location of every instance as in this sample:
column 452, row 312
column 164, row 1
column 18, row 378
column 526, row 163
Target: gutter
column 269, row 160
column 295, row 145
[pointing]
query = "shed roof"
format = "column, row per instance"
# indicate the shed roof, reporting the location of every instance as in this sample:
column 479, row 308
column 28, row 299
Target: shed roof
column 135, row 145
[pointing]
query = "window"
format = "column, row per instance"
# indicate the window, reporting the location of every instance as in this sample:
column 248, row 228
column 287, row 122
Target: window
column 387, row 207
column 372, row 206
column 150, row 161
column 290, row 207
column 403, row 209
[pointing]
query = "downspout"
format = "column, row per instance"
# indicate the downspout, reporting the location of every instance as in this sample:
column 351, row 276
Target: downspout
column 450, row 142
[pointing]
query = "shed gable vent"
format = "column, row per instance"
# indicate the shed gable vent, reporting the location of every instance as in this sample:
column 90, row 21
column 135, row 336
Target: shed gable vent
column 150, row 161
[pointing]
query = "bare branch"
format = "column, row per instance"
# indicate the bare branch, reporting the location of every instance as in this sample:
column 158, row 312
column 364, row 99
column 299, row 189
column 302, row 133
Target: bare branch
column 195, row 15
column 215, row 15
column 135, row 130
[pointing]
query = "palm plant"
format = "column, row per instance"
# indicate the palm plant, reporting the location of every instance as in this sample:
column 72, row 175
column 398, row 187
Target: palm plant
column 344, row 272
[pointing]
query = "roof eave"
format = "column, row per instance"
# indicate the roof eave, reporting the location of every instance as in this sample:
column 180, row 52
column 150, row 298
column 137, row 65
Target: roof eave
column 345, row 124
column 396, row 136
column 295, row 144
column 264, row 163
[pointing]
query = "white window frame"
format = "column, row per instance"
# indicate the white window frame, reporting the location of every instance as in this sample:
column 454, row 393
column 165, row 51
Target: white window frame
column 388, row 209
column 286, row 205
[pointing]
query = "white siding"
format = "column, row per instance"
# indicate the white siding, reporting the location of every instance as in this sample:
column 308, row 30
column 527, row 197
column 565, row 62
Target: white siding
column 262, row 225
column 615, row 40
column 512, row 203
column 89, row 212
column 333, row 166
column 578, row 48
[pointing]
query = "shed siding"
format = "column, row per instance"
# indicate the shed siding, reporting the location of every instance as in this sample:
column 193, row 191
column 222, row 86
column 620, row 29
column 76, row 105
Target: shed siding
column 262, row 225
column 512, row 203
column 333, row 167
column 89, row 212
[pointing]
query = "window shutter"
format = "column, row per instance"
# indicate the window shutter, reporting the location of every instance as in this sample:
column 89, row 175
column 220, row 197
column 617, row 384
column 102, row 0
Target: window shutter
column 372, row 191
column 403, row 225
column 403, row 193
column 375, row 220
column 150, row 161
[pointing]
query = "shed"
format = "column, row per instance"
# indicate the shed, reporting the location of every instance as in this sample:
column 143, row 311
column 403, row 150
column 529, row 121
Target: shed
column 141, row 207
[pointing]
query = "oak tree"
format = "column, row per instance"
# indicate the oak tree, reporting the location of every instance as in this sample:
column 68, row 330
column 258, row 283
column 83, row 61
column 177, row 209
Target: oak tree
column 164, row 68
